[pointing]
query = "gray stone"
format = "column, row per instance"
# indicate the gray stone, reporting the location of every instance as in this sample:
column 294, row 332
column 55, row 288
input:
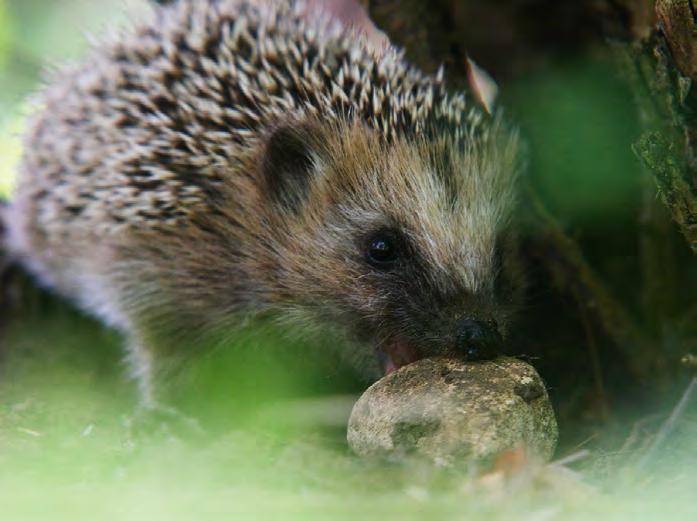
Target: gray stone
column 454, row 412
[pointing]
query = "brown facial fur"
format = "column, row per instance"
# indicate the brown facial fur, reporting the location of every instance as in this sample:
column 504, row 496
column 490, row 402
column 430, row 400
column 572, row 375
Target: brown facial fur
column 306, row 264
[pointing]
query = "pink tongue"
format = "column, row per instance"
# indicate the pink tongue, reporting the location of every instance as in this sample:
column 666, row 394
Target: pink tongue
column 399, row 354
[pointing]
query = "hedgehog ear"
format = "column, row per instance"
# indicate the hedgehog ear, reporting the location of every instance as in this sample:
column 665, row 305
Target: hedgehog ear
column 482, row 86
column 289, row 165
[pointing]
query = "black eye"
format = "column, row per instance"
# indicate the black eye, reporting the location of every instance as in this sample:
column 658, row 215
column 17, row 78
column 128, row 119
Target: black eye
column 382, row 250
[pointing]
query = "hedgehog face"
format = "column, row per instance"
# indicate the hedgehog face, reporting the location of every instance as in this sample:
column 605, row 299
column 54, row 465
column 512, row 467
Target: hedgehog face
column 405, row 243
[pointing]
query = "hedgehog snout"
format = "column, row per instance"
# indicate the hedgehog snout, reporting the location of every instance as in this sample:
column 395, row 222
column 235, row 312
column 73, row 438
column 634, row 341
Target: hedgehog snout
column 478, row 340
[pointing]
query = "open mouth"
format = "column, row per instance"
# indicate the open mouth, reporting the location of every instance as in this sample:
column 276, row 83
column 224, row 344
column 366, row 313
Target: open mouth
column 396, row 353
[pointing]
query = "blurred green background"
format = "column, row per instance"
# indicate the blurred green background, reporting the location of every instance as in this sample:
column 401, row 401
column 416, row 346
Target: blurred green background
column 67, row 450
column 36, row 35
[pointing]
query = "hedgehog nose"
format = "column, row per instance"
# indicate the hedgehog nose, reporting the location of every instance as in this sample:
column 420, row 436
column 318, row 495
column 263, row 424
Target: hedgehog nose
column 477, row 340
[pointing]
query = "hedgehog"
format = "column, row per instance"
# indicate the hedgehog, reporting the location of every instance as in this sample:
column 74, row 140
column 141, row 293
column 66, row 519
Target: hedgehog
column 226, row 160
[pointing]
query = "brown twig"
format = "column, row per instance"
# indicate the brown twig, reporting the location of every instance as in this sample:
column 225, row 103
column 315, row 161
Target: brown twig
column 636, row 433
column 669, row 425
column 565, row 262
column 594, row 356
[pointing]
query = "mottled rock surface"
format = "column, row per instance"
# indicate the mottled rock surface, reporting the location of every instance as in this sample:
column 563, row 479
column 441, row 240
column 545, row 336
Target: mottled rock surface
column 455, row 412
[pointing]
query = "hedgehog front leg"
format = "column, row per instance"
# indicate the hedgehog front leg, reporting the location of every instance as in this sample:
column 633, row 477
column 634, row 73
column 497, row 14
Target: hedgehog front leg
column 141, row 368
column 152, row 414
